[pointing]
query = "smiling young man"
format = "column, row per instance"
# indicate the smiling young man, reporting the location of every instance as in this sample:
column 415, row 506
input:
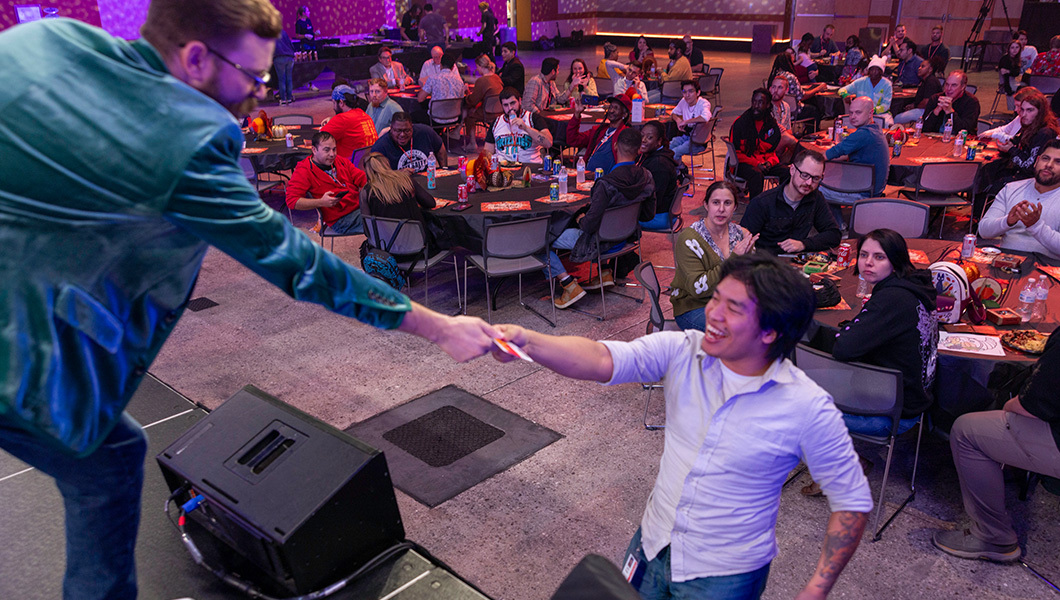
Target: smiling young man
column 739, row 417
column 690, row 110
column 106, row 239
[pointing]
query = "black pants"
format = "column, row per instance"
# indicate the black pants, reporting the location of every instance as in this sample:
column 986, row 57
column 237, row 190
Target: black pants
column 756, row 180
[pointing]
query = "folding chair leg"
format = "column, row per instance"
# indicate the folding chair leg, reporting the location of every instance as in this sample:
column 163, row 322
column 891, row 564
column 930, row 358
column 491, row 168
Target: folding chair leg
column 531, row 308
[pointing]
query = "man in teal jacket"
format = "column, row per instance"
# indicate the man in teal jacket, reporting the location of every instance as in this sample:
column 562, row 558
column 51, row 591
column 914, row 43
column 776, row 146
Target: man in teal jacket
column 120, row 166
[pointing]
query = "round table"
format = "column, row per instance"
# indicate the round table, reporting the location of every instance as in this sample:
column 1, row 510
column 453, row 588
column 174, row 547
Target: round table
column 904, row 168
column 467, row 228
column 557, row 118
column 963, row 381
column 409, row 102
column 271, row 155
column 831, row 105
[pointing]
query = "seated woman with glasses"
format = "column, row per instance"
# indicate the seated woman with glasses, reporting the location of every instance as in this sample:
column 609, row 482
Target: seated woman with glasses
column 896, row 329
column 701, row 249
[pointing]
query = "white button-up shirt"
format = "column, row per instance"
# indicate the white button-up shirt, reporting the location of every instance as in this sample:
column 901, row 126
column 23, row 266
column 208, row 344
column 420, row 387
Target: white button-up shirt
column 717, row 495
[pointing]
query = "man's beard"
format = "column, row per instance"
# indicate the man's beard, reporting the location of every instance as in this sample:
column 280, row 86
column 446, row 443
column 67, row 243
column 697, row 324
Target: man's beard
column 1046, row 180
column 239, row 109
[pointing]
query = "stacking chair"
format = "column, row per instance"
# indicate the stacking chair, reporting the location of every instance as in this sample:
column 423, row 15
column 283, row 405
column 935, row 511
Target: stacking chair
column 358, row 155
column 848, row 178
column 799, row 127
column 264, row 185
column 971, row 89
column 445, row 116
column 617, row 226
column 514, row 248
column 982, row 126
column 879, row 121
column 325, row 232
column 491, row 109
column 1044, row 83
column 604, row 86
column 908, row 218
column 717, row 83
column 671, row 92
column 861, row 389
column 703, row 137
column 403, row 237
column 940, row 184
column 657, row 321
column 292, row 120
column 676, row 223
column 707, row 83
column 730, row 171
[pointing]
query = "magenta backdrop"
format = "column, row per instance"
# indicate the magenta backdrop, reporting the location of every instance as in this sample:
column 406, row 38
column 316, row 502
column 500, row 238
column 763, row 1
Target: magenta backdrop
column 82, row 10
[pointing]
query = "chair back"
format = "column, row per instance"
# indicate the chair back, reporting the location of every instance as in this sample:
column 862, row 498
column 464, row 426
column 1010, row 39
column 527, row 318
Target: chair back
column 491, row 108
column 516, row 239
column 856, row 388
column 671, row 89
column 358, row 155
column 604, row 86
column 292, row 120
column 908, row 218
column 982, row 126
column 707, row 83
column 396, row 236
column 947, row 177
column 619, row 224
column 879, row 121
column 848, row 177
column 645, row 274
column 703, row 132
column 445, row 112
column 971, row 89
column 1044, row 83
column 793, row 105
column 731, row 163
column 248, row 169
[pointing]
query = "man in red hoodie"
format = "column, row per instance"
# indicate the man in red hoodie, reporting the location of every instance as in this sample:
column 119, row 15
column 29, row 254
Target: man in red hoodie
column 599, row 142
column 330, row 183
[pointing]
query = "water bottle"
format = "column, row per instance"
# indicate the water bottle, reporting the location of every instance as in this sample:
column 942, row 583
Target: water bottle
column 432, row 167
column 580, row 171
column 562, row 182
column 947, row 131
column 1041, row 298
column 864, row 289
column 1028, row 296
column 838, row 131
column 919, row 131
column 958, row 147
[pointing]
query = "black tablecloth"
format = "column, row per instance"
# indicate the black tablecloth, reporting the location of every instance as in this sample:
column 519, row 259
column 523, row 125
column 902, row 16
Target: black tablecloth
column 277, row 156
column 557, row 120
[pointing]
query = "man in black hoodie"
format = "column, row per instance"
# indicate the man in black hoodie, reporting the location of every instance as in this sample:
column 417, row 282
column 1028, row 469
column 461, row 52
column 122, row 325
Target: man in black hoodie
column 660, row 162
column 626, row 183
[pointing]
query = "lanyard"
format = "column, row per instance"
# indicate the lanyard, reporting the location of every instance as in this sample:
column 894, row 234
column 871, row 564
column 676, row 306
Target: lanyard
column 330, row 173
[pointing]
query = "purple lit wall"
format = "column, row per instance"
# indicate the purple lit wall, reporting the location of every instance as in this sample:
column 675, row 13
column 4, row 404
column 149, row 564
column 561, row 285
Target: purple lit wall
column 123, row 18
column 82, row 10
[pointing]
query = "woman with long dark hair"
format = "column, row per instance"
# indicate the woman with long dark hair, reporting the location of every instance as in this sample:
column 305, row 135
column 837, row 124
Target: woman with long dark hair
column 641, row 50
column 1037, row 126
column 896, row 329
column 701, row 249
column 1008, row 68
column 579, row 82
column 854, row 55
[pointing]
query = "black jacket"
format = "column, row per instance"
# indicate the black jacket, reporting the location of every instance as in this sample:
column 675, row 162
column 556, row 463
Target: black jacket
column 513, row 74
column 965, row 115
column 775, row 221
column 897, row 329
column 624, row 185
column 1039, row 397
column 663, row 168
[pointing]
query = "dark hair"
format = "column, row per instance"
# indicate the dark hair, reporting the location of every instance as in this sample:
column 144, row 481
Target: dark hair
column 570, row 77
column 910, row 44
column 762, row 91
column 549, row 65
column 856, row 44
column 808, row 154
column 510, row 46
column 383, row 49
column 428, row 7
column 647, row 47
column 939, row 27
column 509, row 92
column 1044, row 120
column 448, row 61
column 172, row 23
column 1050, row 145
column 1054, row 42
column 723, row 185
column 660, row 130
column 321, row 136
column 679, row 45
column 784, row 298
column 782, row 63
column 634, row 63
column 691, row 82
column 894, row 247
column 415, row 9
column 938, row 64
column 807, row 37
column 1022, row 32
column 400, row 116
column 302, row 10
column 629, row 141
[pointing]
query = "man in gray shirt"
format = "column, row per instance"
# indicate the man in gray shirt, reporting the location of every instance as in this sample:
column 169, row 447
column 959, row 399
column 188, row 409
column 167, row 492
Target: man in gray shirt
column 434, row 30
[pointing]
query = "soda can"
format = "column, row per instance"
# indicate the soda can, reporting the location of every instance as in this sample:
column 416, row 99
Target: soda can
column 462, row 165
column 971, row 153
column 843, row 257
column 470, row 184
column 557, row 167
column 599, row 173
column 546, row 165
column 897, row 149
column 553, row 192
column 495, row 162
column 968, row 246
column 461, row 192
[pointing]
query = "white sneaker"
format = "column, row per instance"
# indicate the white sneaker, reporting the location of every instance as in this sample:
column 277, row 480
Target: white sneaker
column 313, row 88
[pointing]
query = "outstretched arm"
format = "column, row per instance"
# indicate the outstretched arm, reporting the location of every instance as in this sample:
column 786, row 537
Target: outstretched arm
column 570, row 356
column 840, row 542
column 462, row 338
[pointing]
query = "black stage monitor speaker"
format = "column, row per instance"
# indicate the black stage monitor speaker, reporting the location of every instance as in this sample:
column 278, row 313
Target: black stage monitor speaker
column 595, row 578
column 302, row 501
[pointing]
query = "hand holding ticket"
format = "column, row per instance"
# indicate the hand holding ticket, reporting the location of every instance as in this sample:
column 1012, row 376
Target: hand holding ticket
column 512, row 349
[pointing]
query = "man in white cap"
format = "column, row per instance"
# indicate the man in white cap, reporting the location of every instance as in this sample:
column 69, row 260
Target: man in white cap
column 873, row 85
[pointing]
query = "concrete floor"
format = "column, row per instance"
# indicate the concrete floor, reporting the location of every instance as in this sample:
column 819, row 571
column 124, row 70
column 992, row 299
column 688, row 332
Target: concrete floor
column 519, row 533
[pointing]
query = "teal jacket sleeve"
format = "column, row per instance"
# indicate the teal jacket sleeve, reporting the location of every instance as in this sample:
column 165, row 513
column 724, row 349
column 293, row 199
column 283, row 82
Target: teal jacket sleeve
column 214, row 201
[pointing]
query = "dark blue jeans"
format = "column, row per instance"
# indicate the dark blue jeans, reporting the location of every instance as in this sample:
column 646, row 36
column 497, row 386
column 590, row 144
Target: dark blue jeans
column 101, row 494
column 657, row 583
column 285, row 73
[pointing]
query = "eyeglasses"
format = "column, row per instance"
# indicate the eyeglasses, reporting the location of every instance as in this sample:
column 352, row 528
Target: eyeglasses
column 260, row 79
column 806, row 176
